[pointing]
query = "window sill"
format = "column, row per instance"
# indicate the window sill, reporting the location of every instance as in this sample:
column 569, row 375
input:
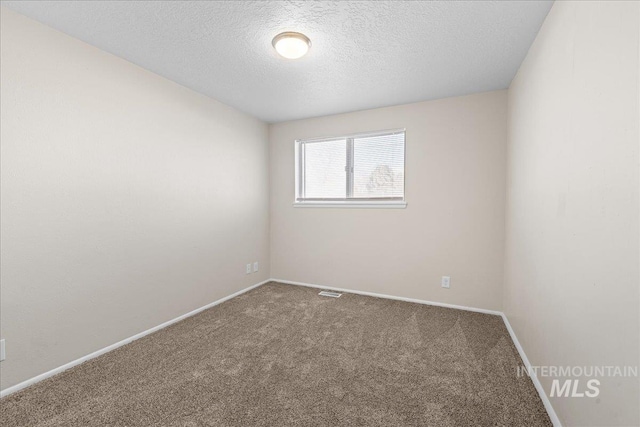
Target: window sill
column 352, row 205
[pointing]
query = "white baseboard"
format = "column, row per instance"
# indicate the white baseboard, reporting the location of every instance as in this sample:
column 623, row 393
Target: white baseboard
column 372, row 294
column 536, row 382
column 107, row 349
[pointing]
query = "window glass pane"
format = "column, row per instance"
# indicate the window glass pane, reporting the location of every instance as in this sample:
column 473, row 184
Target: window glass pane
column 324, row 169
column 378, row 166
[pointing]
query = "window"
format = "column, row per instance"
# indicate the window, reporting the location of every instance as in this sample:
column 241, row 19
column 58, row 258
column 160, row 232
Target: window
column 364, row 170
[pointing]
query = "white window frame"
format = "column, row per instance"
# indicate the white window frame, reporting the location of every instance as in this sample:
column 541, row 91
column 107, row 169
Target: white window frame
column 376, row 203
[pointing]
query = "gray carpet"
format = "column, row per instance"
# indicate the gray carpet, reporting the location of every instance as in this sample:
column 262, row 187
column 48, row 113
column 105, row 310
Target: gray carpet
column 281, row 355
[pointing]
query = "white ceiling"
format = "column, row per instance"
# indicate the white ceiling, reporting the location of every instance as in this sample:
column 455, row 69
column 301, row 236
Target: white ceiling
column 364, row 54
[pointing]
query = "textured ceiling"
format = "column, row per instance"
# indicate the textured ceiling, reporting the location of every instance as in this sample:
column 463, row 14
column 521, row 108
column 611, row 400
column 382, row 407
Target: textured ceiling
column 364, row 54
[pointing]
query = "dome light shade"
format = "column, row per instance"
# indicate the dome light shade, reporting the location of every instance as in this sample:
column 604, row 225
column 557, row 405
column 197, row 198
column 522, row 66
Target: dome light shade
column 291, row 45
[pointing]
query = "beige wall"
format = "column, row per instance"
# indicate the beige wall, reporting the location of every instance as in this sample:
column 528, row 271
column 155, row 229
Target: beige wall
column 127, row 200
column 123, row 205
column 453, row 224
column 571, row 270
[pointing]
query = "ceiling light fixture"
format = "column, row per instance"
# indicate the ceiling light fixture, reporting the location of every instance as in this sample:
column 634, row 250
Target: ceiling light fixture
column 291, row 45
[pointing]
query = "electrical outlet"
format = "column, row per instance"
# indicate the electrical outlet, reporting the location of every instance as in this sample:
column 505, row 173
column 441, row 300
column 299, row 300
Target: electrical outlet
column 248, row 270
column 3, row 355
column 446, row 282
column 255, row 267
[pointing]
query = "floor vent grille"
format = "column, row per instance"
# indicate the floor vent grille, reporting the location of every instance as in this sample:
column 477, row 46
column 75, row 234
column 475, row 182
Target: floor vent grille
column 330, row 294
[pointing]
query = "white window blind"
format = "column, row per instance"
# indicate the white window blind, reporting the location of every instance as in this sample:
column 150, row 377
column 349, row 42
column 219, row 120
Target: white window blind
column 356, row 168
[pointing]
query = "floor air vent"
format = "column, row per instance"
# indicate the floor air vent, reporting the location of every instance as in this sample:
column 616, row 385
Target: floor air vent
column 330, row 294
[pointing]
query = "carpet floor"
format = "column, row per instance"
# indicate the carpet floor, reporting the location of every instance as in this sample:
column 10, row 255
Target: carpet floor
column 281, row 355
